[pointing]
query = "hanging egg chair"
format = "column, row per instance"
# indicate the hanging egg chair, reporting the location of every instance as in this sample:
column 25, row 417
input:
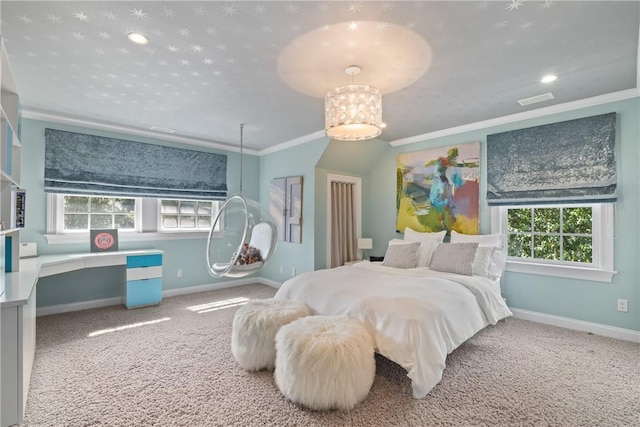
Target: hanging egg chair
column 242, row 237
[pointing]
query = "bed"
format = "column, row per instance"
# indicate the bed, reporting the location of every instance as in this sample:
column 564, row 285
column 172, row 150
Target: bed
column 417, row 315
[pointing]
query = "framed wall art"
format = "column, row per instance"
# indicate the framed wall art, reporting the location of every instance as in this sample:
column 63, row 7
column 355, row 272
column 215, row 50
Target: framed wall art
column 439, row 189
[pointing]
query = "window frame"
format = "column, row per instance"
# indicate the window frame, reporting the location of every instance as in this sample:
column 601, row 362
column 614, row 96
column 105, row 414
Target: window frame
column 601, row 268
column 147, row 224
column 178, row 229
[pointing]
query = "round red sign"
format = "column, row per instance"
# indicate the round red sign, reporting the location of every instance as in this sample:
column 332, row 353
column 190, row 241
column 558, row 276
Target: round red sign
column 103, row 241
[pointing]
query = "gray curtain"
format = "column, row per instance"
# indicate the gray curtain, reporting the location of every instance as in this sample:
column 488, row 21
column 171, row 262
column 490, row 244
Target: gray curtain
column 343, row 224
column 567, row 162
column 76, row 163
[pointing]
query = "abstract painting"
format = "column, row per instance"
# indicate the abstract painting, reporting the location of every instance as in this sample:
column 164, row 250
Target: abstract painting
column 439, row 189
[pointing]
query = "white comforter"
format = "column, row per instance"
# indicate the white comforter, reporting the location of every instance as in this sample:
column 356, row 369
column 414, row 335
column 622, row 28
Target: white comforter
column 417, row 316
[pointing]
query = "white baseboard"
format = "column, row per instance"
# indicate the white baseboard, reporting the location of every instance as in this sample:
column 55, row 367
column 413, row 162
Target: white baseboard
column 269, row 282
column 578, row 325
column 77, row 306
column 106, row 302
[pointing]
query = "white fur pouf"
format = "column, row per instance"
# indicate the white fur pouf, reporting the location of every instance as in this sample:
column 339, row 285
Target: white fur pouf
column 255, row 325
column 325, row 362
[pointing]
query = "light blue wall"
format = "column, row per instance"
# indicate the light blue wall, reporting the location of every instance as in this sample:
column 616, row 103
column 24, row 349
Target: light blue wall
column 299, row 160
column 581, row 300
column 188, row 255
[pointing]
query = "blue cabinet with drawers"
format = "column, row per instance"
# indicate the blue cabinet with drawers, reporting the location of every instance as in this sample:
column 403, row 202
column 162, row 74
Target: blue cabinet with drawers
column 144, row 281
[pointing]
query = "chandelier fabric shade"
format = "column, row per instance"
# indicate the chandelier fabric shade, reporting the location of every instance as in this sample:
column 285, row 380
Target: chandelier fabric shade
column 353, row 112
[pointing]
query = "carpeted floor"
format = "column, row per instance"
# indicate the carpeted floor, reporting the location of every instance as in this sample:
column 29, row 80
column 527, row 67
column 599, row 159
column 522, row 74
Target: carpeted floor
column 172, row 366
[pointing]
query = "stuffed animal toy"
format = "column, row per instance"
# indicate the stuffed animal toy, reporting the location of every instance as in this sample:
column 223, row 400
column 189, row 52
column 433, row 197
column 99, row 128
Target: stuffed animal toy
column 248, row 255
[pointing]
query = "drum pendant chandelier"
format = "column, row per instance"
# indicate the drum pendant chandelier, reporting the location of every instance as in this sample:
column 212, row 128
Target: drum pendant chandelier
column 353, row 112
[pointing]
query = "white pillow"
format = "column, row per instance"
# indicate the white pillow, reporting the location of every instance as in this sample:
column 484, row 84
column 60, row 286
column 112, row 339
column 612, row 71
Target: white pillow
column 455, row 258
column 496, row 241
column 401, row 254
column 428, row 243
column 482, row 263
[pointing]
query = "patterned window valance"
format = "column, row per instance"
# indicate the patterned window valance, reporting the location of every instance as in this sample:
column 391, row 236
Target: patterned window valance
column 76, row 163
column 566, row 162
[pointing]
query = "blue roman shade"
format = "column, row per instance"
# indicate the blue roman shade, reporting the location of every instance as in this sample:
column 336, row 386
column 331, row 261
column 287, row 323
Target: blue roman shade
column 565, row 162
column 76, row 163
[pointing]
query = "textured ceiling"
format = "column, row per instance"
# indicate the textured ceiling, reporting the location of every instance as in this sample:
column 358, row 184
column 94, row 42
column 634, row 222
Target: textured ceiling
column 212, row 65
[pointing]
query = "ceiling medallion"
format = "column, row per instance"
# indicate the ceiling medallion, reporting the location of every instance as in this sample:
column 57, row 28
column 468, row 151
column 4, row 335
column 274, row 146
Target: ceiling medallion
column 353, row 112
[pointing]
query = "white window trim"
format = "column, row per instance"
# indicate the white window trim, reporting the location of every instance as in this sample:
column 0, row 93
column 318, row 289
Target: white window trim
column 146, row 225
column 603, row 242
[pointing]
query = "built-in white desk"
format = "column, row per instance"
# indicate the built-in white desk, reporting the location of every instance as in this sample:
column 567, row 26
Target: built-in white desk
column 18, row 310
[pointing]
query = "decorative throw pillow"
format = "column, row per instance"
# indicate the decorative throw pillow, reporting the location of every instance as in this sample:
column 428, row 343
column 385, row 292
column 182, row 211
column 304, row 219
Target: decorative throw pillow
column 455, row 258
column 428, row 243
column 499, row 256
column 401, row 254
column 482, row 263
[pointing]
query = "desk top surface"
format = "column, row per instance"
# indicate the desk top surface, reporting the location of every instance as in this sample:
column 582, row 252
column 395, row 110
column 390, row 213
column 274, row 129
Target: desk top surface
column 20, row 284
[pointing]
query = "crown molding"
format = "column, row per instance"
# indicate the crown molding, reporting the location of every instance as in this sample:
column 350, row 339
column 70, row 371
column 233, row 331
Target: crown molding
column 293, row 142
column 540, row 112
column 126, row 130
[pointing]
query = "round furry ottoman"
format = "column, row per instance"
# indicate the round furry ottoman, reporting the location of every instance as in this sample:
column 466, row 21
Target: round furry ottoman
column 325, row 362
column 254, row 330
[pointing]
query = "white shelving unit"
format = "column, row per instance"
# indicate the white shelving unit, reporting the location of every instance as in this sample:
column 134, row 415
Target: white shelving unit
column 10, row 161
column 17, row 290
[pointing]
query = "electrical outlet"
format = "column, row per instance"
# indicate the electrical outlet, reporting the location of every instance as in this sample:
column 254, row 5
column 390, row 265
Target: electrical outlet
column 293, row 272
column 281, row 270
column 623, row 305
column 179, row 273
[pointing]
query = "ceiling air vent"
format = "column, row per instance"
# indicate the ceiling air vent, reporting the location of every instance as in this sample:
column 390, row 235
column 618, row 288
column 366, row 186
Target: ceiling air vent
column 161, row 129
column 538, row 98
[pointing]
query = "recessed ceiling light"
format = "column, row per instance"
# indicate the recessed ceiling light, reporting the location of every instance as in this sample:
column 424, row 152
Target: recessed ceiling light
column 549, row 78
column 137, row 38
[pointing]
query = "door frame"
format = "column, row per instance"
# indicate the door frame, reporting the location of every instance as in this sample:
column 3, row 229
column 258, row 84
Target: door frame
column 357, row 181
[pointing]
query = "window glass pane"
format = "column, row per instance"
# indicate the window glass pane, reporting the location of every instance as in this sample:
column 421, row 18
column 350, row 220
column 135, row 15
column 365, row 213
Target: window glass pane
column 204, row 222
column 169, row 221
column 578, row 249
column 101, row 204
column 76, row 221
column 169, row 206
column 519, row 220
column 520, row 245
column 577, row 220
column 187, row 221
column 125, row 221
column 546, row 247
column 204, row 208
column 124, row 205
column 187, row 207
column 546, row 220
column 76, row 204
column 101, row 221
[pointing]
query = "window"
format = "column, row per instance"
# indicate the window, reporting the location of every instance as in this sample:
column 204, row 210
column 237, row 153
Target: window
column 574, row 241
column 82, row 213
column 187, row 215
column 70, row 217
column 551, row 233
